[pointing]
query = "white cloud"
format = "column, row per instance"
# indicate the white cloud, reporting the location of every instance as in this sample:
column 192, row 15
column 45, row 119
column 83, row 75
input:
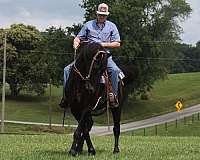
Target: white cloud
column 24, row 13
column 191, row 26
column 40, row 13
column 5, row 1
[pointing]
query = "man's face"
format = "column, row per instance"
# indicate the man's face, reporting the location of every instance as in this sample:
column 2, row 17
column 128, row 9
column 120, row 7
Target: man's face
column 101, row 18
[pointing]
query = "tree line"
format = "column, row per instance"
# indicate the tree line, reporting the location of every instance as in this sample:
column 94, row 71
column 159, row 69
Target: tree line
column 35, row 58
column 149, row 31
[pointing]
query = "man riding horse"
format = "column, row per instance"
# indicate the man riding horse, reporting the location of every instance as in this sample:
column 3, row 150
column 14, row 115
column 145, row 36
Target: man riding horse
column 104, row 32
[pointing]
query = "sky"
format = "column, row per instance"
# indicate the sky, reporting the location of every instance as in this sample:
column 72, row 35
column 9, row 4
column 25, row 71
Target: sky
column 46, row 13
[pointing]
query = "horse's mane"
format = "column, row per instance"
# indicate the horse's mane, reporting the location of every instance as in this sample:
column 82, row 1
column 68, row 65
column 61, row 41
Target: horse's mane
column 87, row 50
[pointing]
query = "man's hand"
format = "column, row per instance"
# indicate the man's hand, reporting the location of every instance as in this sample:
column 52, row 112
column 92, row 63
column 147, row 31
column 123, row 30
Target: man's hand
column 76, row 43
column 103, row 44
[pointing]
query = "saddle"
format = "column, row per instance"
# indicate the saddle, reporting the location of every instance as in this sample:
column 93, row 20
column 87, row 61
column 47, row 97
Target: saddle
column 104, row 94
column 106, row 97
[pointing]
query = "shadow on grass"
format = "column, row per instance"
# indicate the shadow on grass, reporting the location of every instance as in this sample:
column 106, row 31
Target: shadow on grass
column 66, row 152
column 52, row 152
column 24, row 134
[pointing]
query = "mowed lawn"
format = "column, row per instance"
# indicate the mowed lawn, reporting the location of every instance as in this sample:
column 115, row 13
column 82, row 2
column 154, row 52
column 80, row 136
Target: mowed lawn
column 164, row 95
column 189, row 126
column 52, row 147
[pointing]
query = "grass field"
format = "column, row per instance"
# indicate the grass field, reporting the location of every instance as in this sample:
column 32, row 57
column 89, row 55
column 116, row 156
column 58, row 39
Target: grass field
column 184, row 145
column 51, row 147
column 36, row 129
column 163, row 98
column 184, row 128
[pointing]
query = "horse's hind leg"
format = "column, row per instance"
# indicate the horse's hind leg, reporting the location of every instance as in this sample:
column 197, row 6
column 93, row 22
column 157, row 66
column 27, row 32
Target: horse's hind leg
column 116, row 112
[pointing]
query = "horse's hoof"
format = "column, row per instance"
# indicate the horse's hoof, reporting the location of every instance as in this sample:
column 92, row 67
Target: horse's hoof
column 73, row 152
column 116, row 150
column 79, row 151
column 91, row 152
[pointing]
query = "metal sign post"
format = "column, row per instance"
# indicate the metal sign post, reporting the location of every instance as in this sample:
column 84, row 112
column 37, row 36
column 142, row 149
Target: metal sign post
column 4, row 85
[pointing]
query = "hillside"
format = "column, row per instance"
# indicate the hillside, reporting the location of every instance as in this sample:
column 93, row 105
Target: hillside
column 164, row 95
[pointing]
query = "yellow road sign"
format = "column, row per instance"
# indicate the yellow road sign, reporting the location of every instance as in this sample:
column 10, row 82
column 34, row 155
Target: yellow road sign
column 179, row 106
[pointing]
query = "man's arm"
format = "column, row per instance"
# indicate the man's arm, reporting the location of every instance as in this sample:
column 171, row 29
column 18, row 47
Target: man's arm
column 76, row 42
column 110, row 44
column 81, row 35
column 114, row 37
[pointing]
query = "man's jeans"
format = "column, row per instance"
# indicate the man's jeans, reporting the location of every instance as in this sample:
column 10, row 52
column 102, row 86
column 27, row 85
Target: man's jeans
column 113, row 70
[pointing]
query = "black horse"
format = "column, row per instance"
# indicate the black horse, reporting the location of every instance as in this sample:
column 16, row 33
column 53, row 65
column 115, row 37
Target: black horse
column 83, row 91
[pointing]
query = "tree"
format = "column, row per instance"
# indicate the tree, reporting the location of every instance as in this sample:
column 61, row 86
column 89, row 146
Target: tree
column 149, row 30
column 181, row 64
column 57, row 51
column 187, row 58
column 198, row 44
column 24, row 69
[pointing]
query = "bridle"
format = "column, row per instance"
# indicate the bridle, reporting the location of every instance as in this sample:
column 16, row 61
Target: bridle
column 90, row 69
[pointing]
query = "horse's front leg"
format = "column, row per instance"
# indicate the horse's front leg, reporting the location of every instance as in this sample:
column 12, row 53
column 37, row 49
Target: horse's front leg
column 77, row 137
column 116, row 112
column 80, row 144
column 76, row 140
column 86, row 136
column 88, row 126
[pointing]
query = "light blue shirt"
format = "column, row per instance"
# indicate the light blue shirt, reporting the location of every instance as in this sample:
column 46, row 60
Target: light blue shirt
column 92, row 32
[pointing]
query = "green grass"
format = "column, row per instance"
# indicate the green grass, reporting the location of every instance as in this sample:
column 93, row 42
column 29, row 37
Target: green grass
column 164, row 96
column 51, row 147
column 29, row 107
column 11, row 128
column 32, row 108
column 184, row 127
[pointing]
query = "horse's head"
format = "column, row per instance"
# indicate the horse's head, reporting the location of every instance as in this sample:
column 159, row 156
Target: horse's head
column 91, row 63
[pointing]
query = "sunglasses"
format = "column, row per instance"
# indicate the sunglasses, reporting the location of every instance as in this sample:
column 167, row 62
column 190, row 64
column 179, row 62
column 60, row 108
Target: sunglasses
column 102, row 15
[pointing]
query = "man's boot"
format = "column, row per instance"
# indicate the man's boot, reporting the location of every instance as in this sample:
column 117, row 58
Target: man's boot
column 63, row 103
column 113, row 100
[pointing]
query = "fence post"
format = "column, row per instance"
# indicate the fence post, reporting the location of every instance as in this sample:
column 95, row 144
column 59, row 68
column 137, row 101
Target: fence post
column 193, row 118
column 144, row 132
column 4, row 84
column 156, row 130
column 132, row 133
column 50, row 108
column 165, row 126
column 184, row 120
column 176, row 123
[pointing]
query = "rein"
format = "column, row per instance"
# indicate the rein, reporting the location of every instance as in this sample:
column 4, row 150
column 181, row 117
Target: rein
column 90, row 69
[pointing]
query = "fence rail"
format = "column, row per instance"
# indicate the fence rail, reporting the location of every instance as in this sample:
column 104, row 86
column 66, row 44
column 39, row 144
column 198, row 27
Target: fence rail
column 166, row 127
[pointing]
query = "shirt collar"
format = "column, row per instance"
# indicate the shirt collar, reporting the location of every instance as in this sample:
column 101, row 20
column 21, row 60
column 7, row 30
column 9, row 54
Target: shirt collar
column 96, row 22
